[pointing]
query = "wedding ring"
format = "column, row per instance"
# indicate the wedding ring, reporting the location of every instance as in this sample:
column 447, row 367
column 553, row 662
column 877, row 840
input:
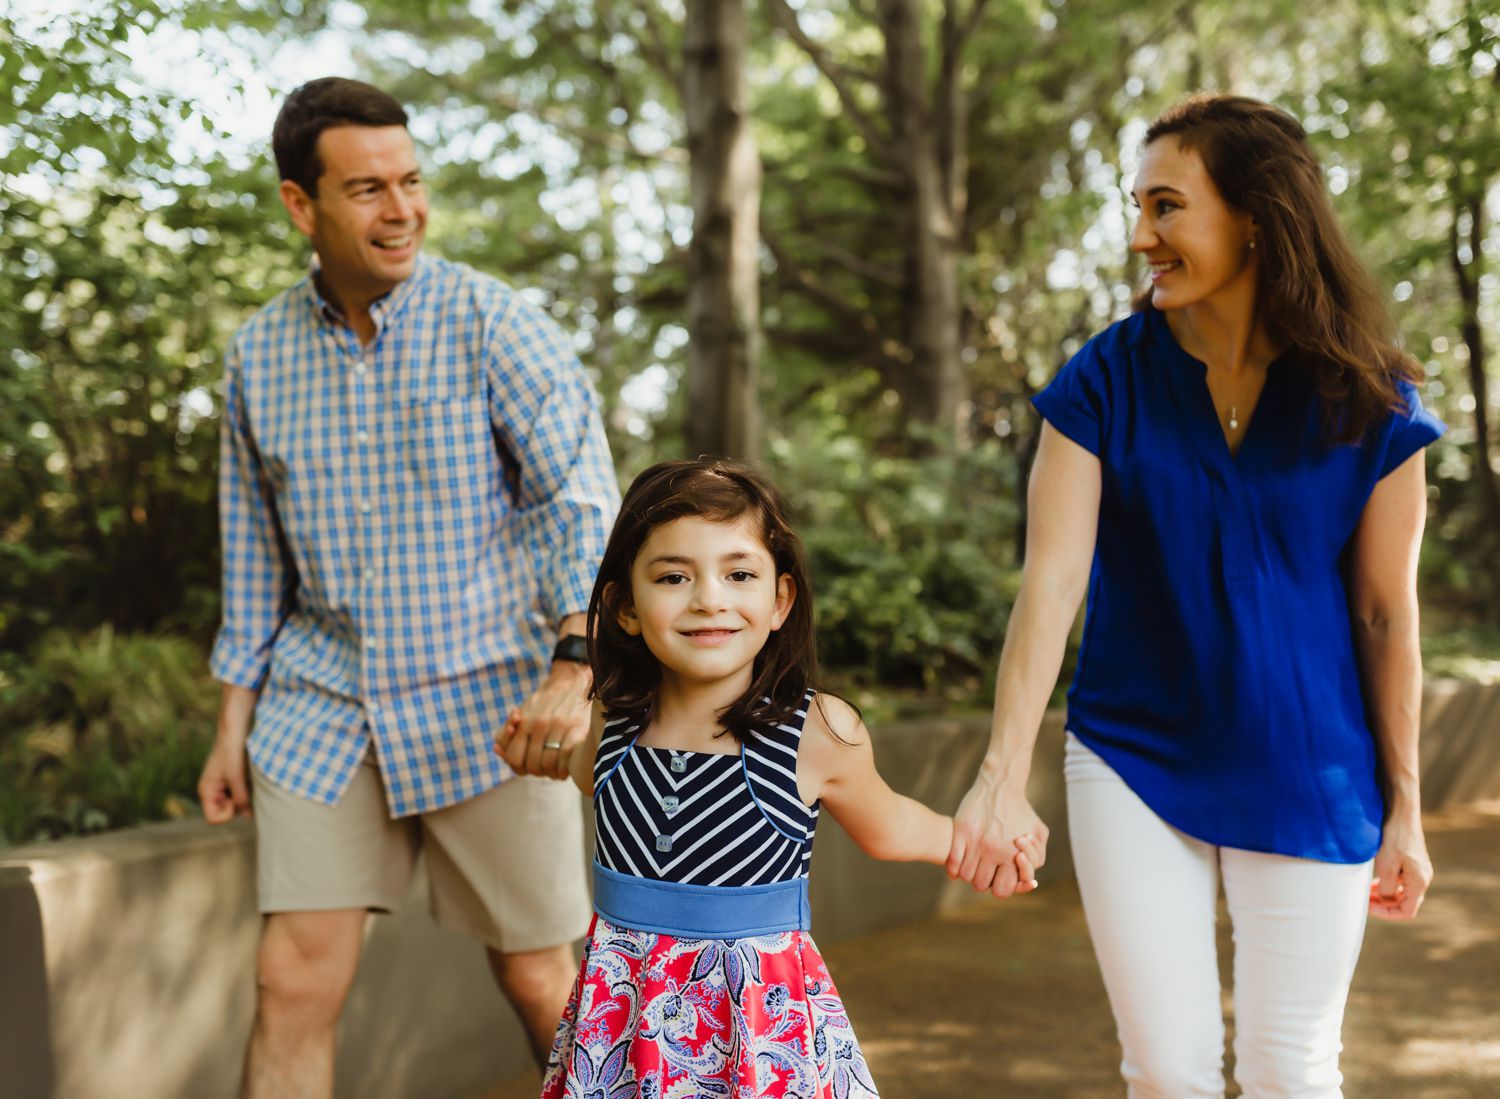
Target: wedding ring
column 551, row 744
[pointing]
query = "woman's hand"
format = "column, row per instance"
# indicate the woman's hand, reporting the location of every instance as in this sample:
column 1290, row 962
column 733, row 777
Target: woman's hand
column 997, row 837
column 1403, row 872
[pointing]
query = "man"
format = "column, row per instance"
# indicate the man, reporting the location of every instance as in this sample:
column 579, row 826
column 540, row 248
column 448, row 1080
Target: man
column 415, row 491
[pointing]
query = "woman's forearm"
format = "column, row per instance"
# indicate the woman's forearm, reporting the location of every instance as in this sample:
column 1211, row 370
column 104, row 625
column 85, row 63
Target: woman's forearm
column 1030, row 661
column 1390, row 659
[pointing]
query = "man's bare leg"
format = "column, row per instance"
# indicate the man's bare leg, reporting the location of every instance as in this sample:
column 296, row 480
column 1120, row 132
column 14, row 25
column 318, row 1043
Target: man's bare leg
column 537, row 983
column 303, row 971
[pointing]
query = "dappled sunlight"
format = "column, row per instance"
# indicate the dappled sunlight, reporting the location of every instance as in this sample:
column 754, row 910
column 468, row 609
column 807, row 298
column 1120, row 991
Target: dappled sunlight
column 1479, row 1056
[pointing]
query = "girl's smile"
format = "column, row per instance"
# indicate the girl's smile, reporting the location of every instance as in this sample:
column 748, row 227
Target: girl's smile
column 705, row 596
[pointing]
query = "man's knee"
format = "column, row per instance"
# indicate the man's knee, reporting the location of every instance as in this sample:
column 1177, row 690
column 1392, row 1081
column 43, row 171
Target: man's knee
column 306, row 964
column 534, row 977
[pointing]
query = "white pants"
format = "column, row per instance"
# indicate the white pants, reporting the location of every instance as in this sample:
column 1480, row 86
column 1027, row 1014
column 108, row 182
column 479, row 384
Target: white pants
column 1150, row 895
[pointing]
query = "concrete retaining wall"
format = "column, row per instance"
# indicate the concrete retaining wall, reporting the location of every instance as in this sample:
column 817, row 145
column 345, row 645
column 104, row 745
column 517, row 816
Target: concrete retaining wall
column 126, row 959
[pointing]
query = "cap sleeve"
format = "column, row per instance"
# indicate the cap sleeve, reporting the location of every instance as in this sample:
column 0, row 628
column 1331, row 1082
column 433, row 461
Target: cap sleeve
column 1074, row 402
column 1411, row 428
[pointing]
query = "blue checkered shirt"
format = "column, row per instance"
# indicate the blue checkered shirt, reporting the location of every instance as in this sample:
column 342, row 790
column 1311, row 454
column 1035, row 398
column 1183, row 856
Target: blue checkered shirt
column 403, row 525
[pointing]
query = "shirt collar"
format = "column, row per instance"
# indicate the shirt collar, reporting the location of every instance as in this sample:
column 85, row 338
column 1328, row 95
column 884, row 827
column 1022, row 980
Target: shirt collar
column 382, row 310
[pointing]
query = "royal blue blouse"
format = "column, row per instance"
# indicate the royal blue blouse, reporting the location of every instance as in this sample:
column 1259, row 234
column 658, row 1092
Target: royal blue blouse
column 1218, row 674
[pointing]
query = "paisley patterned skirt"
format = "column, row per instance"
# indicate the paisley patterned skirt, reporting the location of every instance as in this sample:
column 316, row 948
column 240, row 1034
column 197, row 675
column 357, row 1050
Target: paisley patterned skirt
column 665, row 1018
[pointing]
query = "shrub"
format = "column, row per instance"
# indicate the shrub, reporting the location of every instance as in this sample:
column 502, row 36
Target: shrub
column 100, row 731
column 912, row 557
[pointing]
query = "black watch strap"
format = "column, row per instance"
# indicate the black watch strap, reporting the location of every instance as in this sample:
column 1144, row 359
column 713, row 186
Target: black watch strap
column 573, row 647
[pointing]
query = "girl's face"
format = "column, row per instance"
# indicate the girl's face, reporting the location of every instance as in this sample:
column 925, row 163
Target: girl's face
column 1198, row 246
column 705, row 596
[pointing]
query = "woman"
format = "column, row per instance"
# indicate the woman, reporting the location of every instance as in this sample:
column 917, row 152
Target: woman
column 1234, row 475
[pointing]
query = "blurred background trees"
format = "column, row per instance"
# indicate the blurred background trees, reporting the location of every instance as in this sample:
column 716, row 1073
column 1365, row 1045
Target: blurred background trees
column 854, row 236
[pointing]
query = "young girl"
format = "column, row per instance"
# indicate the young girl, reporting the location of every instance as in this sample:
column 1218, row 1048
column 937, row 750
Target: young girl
column 708, row 760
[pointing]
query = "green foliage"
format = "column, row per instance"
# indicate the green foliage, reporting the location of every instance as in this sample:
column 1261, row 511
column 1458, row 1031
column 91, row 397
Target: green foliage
column 100, row 731
column 553, row 136
column 912, row 557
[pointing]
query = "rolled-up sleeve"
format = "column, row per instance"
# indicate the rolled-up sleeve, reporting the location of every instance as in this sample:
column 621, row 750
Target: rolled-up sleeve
column 258, row 575
column 547, row 415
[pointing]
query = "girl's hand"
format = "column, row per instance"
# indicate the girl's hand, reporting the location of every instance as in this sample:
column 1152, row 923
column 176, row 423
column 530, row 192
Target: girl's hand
column 541, row 736
column 987, row 831
column 1403, row 872
column 1029, row 855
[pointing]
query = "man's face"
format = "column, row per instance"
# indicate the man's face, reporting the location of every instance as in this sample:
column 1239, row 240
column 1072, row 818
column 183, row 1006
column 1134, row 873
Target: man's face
column 370, row 215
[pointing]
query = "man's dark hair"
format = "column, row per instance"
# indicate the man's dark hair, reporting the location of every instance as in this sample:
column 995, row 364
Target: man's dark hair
column 319, row 105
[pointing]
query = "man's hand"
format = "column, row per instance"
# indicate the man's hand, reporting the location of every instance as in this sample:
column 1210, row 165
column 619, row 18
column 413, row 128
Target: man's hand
column 222, row 790
column 541, row 736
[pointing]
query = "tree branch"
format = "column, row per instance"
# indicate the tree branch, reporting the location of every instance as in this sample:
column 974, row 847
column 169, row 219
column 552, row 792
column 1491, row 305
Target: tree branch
column 654, row 51
column 835, row 74
column 810, row 284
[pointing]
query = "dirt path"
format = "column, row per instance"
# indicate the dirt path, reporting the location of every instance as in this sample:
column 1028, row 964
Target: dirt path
column 1005, row 1000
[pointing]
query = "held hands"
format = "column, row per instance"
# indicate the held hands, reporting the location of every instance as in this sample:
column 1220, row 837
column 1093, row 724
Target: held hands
column 541, row 737
column 998, row 840
column 1403, row 872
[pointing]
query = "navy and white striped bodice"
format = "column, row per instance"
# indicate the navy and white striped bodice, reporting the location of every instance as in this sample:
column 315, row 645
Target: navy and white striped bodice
column 697, row 818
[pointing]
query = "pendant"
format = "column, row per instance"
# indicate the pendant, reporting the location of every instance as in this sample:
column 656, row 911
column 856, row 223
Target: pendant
column 1234, row 420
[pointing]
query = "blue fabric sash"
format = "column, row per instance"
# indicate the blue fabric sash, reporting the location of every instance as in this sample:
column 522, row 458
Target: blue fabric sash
column 701, row 911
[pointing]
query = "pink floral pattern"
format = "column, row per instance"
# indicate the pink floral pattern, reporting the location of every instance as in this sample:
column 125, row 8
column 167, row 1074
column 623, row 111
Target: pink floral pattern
column 664, row 1018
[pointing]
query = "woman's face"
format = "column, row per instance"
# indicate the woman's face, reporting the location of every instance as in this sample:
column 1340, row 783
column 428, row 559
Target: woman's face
column 1198, row 246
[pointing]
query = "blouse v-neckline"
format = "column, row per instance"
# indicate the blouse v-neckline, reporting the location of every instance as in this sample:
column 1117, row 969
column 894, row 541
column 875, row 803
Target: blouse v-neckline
column 1190, row 374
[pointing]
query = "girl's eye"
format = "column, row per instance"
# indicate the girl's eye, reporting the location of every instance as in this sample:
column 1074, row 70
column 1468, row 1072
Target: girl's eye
column 672, row 578
column 740, row 576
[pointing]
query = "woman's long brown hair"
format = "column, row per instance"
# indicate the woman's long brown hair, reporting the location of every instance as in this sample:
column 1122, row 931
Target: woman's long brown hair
column 626, row 674
column 1315, row 297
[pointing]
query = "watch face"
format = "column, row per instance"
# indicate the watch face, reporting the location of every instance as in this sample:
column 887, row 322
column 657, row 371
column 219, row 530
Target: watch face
column 574, row 647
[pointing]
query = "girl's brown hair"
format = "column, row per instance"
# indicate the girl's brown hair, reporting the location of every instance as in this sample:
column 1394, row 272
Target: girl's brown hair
column 626, row 674
column 1314, row 296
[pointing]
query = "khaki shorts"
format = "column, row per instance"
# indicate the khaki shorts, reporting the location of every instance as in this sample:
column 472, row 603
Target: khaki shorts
column 506, row 867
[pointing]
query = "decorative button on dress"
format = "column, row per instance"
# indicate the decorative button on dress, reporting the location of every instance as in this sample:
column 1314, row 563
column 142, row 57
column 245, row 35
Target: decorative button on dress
column 700, row 977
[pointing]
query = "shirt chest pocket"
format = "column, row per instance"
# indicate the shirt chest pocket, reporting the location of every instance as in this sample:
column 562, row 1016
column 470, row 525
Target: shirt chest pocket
column 449, row 451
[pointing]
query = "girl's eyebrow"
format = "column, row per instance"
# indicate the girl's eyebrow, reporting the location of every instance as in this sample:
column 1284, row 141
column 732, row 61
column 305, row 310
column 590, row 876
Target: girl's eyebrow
column 678, row 559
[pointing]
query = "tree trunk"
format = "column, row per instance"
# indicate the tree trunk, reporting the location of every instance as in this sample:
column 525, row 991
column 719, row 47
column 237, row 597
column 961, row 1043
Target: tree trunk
column 932, row 390
column 1468, row 276
column 723, row 261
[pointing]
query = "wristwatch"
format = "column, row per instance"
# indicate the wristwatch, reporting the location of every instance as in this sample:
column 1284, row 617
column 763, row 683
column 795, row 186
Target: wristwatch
column 572, row 647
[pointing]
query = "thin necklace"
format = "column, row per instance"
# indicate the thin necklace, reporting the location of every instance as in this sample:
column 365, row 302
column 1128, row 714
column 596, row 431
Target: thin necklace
column 1234, row 407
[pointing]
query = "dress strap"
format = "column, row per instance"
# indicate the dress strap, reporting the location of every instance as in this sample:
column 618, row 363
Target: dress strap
column 614, row 745
column 769, row 760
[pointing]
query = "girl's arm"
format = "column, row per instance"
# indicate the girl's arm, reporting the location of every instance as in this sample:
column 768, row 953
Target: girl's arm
column 580, row 758
column 836, row 764
column 1383, row 602
column 1063, row 524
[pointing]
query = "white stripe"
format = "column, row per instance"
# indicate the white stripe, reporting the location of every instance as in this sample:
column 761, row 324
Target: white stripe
column 732, row 871
column 708, row 836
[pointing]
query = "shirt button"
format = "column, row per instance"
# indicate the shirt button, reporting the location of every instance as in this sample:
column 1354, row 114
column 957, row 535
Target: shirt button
column 678, row 765
column 664, row 843
column 364, row 506
column 362, row 436
column 360, row 368
column 669, row 806
column 369, row 574
column 372, row 645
